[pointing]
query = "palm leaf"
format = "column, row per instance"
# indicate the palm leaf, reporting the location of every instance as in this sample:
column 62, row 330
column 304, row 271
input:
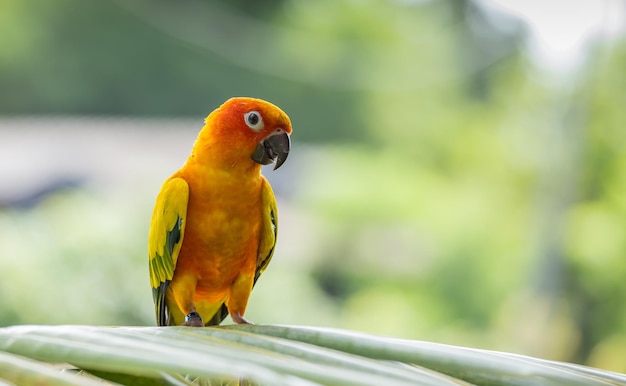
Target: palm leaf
column 267, row 355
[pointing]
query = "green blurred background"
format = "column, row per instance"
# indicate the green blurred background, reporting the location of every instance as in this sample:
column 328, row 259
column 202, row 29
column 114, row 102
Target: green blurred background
column 458, row 171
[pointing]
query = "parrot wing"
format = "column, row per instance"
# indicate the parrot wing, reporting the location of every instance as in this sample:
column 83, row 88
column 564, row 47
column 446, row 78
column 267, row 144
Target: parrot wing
column 269, row 229
column 167, row 230
column 267, row 242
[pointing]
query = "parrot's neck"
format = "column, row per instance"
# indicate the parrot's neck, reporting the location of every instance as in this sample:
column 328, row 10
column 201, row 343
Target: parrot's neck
column 207, row 161
column 216, row 179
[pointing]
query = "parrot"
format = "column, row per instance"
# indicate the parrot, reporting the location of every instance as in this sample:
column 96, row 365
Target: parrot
column 215, row 221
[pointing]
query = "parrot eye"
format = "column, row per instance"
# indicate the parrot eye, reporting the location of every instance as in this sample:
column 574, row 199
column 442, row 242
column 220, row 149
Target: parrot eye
column 254, row 120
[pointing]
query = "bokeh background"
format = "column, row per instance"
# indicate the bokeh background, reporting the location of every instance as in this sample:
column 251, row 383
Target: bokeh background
column 458, row 171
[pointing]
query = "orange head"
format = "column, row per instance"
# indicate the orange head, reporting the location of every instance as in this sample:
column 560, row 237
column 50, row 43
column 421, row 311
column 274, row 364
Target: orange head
column 244, row 132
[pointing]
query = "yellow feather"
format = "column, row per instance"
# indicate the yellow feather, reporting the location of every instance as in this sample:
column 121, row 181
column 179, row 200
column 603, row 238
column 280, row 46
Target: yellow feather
column 171, row 204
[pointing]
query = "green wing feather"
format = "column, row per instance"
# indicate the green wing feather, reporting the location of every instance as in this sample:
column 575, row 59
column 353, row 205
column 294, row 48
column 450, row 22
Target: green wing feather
column 167, row 230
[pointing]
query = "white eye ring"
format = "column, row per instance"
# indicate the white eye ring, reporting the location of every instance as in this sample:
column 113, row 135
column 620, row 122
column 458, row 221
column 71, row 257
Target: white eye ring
column 254, row 120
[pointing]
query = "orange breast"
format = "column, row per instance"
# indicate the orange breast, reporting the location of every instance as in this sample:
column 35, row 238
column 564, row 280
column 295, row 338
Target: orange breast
column 222, row 232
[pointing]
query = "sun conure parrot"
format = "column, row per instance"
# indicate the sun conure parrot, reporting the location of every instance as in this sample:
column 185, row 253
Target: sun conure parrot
column 214, row 225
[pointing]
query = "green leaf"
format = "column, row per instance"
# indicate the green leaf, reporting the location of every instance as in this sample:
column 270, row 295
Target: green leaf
column 272, row 355
column 472, row 365
column 23, row 371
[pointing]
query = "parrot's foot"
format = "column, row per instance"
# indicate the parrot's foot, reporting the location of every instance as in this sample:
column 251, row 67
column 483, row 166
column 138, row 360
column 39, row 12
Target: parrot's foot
column 239, row 319
column 193, row 319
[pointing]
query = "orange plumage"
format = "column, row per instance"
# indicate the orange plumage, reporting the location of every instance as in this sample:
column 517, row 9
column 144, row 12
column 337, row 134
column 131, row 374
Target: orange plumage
column 214, row 225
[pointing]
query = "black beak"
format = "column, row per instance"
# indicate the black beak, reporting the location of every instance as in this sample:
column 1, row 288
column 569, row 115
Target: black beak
column 275, row 147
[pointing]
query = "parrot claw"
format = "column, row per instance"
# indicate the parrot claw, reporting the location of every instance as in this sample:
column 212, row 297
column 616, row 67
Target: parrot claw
column 239, row 319
column 193, row 319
